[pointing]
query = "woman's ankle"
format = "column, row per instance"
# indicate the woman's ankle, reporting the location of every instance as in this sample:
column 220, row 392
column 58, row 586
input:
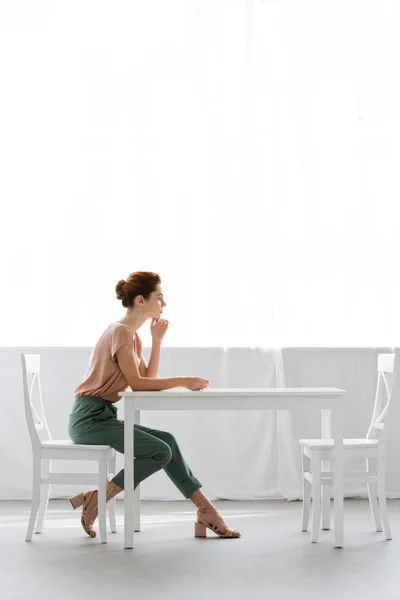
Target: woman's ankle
column 112, row 490
column 201, row 501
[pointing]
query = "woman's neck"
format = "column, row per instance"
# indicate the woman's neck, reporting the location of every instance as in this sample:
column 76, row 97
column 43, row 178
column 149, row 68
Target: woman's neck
column 134, row 322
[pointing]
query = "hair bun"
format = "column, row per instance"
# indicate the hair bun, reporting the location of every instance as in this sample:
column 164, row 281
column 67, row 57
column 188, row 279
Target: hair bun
column 119, row 288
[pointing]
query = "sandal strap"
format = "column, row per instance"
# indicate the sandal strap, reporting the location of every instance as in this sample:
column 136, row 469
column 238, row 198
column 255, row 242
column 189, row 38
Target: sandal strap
column 89, row 515
column 219, row 527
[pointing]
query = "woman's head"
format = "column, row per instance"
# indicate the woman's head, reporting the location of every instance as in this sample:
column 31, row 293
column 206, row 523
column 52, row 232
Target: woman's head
column 142, row 291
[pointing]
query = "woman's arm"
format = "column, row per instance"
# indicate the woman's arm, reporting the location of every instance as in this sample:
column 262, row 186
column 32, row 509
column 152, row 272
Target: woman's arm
column 130, row 371
column 158, row 329
column 136, row 381
column 150, row 370
column 154, row 362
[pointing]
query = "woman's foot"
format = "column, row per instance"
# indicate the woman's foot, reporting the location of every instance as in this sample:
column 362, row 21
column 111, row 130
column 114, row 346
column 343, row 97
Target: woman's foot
column 209, row 518
column 89, row 503
column 90, row 508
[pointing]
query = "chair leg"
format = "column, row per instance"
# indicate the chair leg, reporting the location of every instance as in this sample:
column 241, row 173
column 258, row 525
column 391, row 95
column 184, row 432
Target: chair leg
column 373, row 494
column 36, row 489
column 306, row 493
column 45, row 495
column 326, row 466
column 111, row 515
column 102, row 496
column 112, row 465
column 316, row 496
column 382, row 500
column 326, row 507
column 111, row 504
column 136, row 516
column 326, row 499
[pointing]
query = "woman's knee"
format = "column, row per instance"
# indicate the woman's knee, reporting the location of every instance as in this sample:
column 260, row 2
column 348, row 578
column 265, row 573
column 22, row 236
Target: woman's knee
column 168, row 438
column 164, row 453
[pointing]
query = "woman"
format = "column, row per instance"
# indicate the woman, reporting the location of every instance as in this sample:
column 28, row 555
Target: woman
column 116, row 363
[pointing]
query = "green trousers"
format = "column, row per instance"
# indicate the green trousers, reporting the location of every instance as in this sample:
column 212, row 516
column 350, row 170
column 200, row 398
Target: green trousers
column 94, row 421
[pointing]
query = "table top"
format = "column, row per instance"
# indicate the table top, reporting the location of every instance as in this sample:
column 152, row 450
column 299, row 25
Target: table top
column 232, row 392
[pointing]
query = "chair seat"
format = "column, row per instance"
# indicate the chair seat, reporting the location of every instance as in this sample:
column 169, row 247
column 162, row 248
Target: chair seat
column 69, row 445
column 347, row 443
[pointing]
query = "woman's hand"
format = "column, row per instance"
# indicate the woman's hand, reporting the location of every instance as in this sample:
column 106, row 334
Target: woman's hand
column 195, row 384
column 158, row 328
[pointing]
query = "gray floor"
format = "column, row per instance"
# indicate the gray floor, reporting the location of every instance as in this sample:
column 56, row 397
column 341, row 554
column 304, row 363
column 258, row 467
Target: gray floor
column 273, row 559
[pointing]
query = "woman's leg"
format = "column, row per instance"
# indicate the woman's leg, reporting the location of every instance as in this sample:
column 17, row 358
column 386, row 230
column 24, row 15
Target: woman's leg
column 180, row 474
column 151, row 453
column 102, row 427
column 177, row 468
column 94, row 421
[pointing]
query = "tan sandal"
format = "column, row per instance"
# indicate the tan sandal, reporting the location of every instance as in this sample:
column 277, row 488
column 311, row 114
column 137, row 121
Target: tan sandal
column 90, row 506
column 89, row 502
column 219, row 527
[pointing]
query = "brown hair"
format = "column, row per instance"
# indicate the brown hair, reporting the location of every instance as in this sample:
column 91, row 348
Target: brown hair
column 140, row 283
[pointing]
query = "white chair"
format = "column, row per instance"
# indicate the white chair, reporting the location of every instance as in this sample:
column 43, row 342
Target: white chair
column 44, row 449
column 317, row 454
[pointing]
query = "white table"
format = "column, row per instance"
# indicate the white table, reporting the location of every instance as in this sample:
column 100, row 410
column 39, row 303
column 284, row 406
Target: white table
column 329, row 400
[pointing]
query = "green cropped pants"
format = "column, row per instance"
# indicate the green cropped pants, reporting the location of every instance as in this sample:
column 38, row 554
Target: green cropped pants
column 94, row 421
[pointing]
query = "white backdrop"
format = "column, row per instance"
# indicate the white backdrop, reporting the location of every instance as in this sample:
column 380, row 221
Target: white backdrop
column 246, row 150
column 236, row 455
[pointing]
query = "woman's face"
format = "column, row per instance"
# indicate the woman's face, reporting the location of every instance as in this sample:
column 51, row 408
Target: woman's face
column 155, row 304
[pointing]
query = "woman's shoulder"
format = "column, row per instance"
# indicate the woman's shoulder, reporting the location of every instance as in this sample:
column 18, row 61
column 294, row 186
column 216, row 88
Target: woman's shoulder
column 118, row 326
column 117, row 329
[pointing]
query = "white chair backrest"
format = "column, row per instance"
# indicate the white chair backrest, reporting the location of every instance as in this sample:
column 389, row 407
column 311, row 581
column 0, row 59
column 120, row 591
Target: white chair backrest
column 387, row 373
column 34, row 410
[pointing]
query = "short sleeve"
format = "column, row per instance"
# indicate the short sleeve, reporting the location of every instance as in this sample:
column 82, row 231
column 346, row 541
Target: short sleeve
column 121, row 336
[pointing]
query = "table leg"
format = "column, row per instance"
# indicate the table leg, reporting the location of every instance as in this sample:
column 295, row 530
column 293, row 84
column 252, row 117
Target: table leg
column 136, row 516
column 129, row 463
column 337, row 426
column 326, row 466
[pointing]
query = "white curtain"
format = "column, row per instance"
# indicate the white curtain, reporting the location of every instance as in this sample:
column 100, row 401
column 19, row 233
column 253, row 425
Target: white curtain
column 239, row 454
column 246, row 150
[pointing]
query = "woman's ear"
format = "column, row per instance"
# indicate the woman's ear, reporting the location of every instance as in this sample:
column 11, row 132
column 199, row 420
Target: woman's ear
column 139, row 300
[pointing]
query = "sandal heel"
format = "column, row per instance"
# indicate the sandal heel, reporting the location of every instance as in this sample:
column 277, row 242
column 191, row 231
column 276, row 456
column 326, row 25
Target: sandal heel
column 77, row 500
column 200, row 530
column 218, row 525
